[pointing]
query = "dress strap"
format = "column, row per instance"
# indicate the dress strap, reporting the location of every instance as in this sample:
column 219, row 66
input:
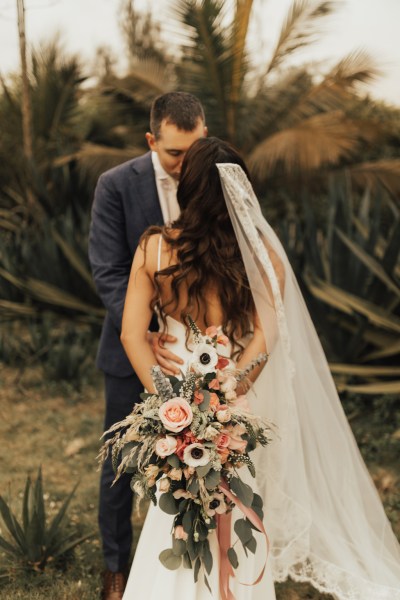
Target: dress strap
column 159, row 253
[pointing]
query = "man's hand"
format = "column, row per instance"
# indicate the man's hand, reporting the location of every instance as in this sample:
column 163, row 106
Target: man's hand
column 165, row 357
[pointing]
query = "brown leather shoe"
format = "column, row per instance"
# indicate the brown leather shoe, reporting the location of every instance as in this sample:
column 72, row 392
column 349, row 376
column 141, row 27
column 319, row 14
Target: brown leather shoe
column 114, row 585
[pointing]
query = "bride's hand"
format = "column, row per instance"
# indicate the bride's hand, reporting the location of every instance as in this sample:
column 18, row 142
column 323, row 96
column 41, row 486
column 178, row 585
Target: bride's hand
column 165, row 357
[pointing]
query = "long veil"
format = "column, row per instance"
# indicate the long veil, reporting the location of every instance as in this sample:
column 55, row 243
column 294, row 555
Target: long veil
column 323, row 514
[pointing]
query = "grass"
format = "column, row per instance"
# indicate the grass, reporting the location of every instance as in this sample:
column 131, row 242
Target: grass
column 53, row 425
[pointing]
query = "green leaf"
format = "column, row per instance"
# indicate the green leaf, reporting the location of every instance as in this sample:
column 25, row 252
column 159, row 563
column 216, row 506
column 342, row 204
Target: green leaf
column 207, row 584
column 178, row 547
column 168, row 504
column 212, row 479
column 169, row 560
column 174, row 461
column 193, row 486
column 233, row 559
column 202, row 471
column 242, row 490
column 243, row 530
column 187, row 521
column 206, row 402
column 252, row 545
column 187, row 563
column 196, row 569
column 207, row 556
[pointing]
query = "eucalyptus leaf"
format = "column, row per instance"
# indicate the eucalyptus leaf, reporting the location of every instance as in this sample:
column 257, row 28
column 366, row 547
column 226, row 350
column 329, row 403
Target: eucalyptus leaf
column 187, row 521
column 207, row 556
column 252, row 545
column 193, row 486
column 212, row 479
column 206, row 401
column 196, row 569
column 187, row 563
column 178, row 547
column 168, row 503
column 169, row 560
column 174, row 461
column 243, row 530
column 233, row 559
column 242, row 491
column 202, row 471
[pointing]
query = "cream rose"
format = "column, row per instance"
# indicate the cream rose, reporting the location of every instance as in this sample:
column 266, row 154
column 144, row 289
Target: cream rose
column 166, row 446
column 165, row 484
column 175, row 414
column 223, row 414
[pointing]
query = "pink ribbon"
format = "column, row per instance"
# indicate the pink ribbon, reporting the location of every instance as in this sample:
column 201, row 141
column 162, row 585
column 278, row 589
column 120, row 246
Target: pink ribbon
column 224, row 540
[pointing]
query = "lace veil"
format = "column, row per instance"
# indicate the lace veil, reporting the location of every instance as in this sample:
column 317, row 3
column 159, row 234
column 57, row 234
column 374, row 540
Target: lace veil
column 323, row 514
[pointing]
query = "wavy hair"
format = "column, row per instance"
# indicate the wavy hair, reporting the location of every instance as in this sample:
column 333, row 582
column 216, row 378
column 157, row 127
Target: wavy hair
column 205, row 244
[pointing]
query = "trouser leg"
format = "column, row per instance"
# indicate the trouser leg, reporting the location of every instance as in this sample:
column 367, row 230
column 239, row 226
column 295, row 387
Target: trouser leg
column 115, row 506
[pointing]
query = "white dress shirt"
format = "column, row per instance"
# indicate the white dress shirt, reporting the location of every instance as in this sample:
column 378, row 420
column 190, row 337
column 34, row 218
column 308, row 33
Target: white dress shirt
column 166, row 188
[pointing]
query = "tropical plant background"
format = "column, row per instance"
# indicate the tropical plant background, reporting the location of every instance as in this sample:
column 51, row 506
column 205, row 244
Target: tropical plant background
column 324, row 158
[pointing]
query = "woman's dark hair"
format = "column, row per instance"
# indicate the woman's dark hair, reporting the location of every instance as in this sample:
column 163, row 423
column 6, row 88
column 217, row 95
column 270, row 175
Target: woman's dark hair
column 205, row 243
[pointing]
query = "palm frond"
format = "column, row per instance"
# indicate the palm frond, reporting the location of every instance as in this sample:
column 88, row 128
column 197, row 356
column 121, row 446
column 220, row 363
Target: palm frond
column 299, row 28
column 385, row 172
column 310, row 144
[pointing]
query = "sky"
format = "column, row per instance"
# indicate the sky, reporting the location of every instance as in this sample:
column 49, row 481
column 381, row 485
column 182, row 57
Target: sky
column 84, row 25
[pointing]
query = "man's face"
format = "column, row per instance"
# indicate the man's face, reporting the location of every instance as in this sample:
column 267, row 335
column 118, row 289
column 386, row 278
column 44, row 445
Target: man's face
column 172, row 145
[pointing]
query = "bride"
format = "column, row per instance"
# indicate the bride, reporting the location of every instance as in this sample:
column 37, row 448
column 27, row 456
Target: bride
column 221, row 263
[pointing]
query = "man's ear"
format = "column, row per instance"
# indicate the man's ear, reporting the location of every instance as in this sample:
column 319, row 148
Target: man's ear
column 151, row 140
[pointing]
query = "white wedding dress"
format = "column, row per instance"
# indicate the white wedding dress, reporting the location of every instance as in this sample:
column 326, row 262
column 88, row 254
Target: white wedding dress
column 149, row 579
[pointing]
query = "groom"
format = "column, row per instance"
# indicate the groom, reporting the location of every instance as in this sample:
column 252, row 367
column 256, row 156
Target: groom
column 128, row 199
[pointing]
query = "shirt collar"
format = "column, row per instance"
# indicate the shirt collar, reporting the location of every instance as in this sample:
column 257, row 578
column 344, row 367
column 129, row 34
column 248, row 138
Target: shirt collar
column 160, row 172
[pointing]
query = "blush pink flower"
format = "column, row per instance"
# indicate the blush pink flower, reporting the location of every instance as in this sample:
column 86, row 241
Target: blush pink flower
column 242, row 402
column 222, row 339
column 214, row 402
column 214, row 384
column 180, row 533
column 222, row 441
column 223, row 414
column 166, row 446
column 236, row 441
column 212, row 331
column 175, row 414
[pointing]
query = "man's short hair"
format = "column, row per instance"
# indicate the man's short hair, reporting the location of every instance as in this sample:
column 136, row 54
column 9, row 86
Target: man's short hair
column 178, row 108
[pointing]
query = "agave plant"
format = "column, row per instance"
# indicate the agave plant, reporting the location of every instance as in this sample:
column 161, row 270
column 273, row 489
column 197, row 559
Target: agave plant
column 351, row 275
column 31, row 542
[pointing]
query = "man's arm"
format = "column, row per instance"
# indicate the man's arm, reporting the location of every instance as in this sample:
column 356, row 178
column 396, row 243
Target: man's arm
column 109, row 253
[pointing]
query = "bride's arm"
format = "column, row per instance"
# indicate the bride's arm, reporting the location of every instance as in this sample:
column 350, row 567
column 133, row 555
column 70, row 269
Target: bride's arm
column 137, row 316
column 255, row 347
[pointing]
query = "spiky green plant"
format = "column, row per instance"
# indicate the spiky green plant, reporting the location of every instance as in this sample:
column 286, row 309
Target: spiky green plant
column 351, row 274
column 31, row 542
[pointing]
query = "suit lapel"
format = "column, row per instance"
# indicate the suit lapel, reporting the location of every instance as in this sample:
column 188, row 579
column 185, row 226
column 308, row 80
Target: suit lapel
column 147, row 189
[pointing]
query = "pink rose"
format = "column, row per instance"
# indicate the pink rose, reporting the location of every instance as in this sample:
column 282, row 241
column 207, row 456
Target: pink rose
column 212, row 331
column 213, row 385
column 222, row 339
column 236, row 442
column 166, row 446
column 222, row 441
column 175, row 414
column 180, row 533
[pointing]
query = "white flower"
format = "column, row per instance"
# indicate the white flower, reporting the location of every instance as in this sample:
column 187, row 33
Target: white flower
column 223, row 416
column 205, row 359
column 196, row 455
column 228, row 384
column 211, row 432
column 216, row 505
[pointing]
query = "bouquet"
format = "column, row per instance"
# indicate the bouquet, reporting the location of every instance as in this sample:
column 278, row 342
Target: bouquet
column 190, row 439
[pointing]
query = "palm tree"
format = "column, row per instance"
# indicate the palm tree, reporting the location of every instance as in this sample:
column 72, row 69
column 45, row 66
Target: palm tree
column 288, row 121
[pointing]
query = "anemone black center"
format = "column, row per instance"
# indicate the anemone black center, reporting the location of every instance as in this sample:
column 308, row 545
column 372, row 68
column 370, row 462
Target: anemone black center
column 197, row 453
column 205, row 358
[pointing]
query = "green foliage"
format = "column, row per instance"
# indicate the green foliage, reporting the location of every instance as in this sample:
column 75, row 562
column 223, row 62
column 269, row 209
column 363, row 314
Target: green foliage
column 350, row 270
column 31, row 542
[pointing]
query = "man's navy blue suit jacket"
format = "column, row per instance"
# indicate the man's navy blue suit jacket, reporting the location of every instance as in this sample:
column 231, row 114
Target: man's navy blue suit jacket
column 125, row 204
